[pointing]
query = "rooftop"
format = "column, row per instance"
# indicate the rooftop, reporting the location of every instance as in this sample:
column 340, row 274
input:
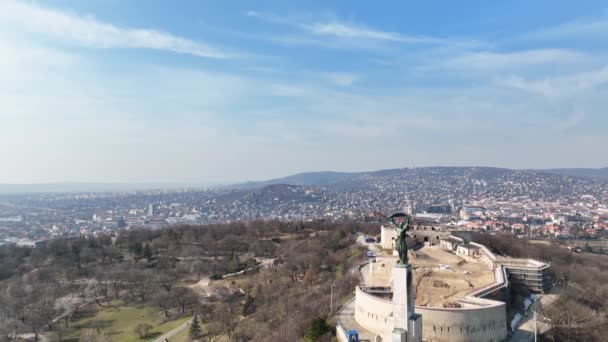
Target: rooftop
column 440, row 278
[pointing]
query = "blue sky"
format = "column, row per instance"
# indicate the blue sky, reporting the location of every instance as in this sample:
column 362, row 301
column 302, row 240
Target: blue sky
column 221, row 91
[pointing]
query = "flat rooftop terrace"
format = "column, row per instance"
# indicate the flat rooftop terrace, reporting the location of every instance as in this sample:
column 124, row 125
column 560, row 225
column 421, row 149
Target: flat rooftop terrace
column 440, row 278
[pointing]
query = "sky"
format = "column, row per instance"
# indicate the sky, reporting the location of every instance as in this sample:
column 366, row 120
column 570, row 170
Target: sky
column 227, row 91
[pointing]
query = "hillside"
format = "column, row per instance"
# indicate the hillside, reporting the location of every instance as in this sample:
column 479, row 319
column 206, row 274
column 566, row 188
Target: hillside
column 600, row 174
column 330, row 178
column 312, row 195
column 459, row 181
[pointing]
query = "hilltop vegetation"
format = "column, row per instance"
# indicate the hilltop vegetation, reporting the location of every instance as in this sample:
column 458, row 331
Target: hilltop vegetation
column 72, row 286
column 580, row 279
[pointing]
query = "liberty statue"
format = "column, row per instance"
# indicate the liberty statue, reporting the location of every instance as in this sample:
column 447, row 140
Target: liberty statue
column 401, row 223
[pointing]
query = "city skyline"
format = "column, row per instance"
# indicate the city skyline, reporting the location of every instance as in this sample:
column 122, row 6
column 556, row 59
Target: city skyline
column 106, row 91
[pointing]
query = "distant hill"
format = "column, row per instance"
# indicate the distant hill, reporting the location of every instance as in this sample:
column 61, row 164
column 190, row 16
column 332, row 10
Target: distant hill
column 342, row 180
column 601, row 174
column 331, row 178
column 369, row 191
column 314, row 178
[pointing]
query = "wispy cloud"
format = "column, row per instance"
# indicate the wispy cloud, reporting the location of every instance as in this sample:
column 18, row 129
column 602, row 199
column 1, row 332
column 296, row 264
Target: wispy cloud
column 560, row 86
column 334, row 29
column 589, row 28
column 486, row 60
column 86, row 30
column 269, row 17
column 341, row 78
column 344, row 30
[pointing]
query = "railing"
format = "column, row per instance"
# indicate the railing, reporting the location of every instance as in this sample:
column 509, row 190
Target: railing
column 340, row 333
column 502, row 281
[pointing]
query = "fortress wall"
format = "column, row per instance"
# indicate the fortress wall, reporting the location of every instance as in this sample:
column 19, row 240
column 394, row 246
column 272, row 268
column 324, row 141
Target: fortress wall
column 341, row 334
column 485, row 324
column 478, row 319
column 387, row 237
column 372, row 312
column 487, row 257
column 431, row 236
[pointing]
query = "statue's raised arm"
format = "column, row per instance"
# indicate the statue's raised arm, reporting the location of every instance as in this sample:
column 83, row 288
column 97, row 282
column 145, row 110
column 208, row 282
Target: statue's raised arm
column 401, row 223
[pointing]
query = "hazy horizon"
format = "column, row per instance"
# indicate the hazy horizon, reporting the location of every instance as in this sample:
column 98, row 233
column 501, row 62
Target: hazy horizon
column 110, row 91
column 203, row 183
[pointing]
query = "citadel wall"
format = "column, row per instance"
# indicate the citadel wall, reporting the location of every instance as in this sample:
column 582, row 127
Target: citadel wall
column 373, row 312
column 477, row 320
column 485, row 323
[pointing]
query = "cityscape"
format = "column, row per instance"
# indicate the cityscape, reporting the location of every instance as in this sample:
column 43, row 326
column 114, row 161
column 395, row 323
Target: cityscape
column 303, row 171
column 526, row 203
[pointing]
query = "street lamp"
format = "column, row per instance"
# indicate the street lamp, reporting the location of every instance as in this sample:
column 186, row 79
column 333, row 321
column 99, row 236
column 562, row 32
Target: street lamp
column 331, row 298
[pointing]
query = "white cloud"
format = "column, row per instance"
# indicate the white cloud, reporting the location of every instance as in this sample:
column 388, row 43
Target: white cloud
column 343, row 30
column 589, row 28
column 486, row 60
column 542, row 87
column 334, row 33
column 85, row 119
column 87, row 31
column 341, row 78
column 15, row 52
column 269, row 17
column 560, row 86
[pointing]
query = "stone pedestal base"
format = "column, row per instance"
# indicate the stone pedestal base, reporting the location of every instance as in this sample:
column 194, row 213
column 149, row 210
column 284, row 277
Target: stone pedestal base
column 399, row 335
column 412, row 334
column 415, row 328
column 407, row 326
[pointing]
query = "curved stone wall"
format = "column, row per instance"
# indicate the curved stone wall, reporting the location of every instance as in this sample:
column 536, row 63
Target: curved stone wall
column 372, row 312
column 478, row 320
column 485, row 324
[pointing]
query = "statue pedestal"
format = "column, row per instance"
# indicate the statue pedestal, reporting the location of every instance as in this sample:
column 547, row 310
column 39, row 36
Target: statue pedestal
column 407, row 324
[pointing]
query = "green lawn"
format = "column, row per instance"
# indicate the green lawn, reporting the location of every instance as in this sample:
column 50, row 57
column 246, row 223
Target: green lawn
column 181, row 337
column 118, row 322
column 339, row 271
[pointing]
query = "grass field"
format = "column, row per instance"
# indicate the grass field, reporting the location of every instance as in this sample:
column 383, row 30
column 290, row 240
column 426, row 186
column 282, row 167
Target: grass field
column 181, row 337
column 339, row 271
column 118, row 322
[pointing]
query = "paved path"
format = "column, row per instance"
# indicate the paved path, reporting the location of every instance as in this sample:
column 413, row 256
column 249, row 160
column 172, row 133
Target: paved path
column 525, row 331
column 203, row 285
column 30, row 337
column 174, row 332
column 346, row 318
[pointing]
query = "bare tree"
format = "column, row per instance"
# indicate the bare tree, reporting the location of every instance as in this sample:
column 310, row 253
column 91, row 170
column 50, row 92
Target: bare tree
column 10, row 329
column 198, row 268
column 225, row 315
column 139, row 284
column 166, row 280
column 165, row 301
column 143, row 330
column 185, row 298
